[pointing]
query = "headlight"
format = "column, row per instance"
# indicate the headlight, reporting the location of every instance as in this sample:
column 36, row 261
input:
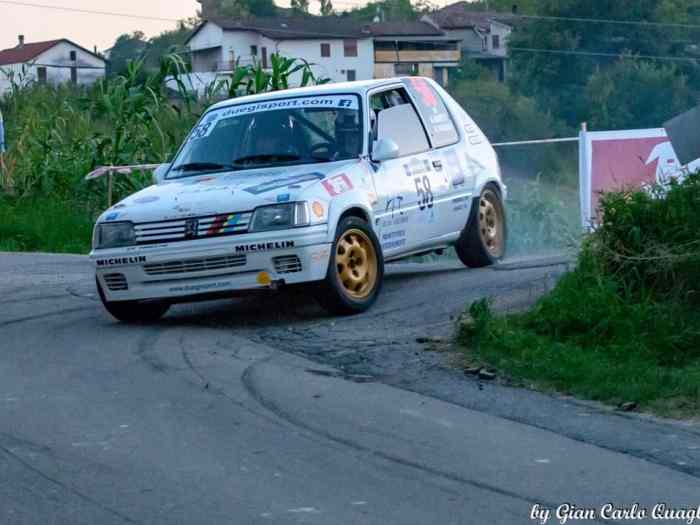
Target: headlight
column 113, row 235
column 280, row 216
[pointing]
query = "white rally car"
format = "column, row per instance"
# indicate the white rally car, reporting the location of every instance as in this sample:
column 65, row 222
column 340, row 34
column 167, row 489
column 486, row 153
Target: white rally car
column 316, row 185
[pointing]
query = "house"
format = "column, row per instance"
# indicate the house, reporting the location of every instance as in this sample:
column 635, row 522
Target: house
column 483, row 35
column 413, row 48
column 50, row 62
column 337, row 48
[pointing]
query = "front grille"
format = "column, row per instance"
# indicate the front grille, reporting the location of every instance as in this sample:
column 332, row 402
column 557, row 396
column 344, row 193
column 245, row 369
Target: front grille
column 195, row 265
column 192, row 228
column 287, row 264
column 116, row 282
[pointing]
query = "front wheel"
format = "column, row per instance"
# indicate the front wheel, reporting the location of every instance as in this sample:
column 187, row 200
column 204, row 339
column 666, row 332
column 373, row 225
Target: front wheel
column 483, row 240
column 355, row 271
column 133, row 311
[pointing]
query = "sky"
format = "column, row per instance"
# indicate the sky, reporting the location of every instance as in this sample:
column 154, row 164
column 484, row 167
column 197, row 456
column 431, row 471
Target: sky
column 88, row 30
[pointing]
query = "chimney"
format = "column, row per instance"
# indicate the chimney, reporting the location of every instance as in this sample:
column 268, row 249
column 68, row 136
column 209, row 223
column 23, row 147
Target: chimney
column 20, row 38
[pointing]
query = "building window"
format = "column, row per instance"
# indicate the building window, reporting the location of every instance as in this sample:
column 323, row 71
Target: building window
column 254, row 50
column 404, row 69
column 325, row 50
column 496, row 41
column 264, row 57
column 73, row 56
column 351, row 74
column 350, row 48
column 41, row 75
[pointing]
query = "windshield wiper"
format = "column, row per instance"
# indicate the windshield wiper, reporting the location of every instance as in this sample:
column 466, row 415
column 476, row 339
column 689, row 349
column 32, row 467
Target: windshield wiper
column 201, row 166
column 265, row 159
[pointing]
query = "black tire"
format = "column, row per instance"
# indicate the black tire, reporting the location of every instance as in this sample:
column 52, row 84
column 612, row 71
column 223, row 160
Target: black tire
column 338, row 297
column 133, row 311
column 483, row 242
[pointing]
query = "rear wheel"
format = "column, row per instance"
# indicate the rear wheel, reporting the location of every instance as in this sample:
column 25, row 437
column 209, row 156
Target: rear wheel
column 133, row 311
column 356, row 269
column 483, row 240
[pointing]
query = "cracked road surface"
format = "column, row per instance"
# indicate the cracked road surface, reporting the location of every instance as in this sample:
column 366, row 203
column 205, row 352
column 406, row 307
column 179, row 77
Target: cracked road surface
column 265, row 410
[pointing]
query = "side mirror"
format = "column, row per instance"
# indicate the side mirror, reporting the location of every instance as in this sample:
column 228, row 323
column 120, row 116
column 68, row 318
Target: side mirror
column 384, row 149
column 159, row 173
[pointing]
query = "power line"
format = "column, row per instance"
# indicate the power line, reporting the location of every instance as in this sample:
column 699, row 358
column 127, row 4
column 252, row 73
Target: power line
column 88, row 11
column 641, row 23
column 505, row 16
column 607, row 55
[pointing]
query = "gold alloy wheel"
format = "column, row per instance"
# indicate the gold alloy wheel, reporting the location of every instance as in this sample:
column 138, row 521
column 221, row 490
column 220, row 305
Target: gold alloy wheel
column 491, row 223
column 356, row 264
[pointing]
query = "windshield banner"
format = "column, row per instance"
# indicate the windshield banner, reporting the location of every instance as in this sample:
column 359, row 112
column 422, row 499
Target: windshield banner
column 616, row 160
column 205, row 127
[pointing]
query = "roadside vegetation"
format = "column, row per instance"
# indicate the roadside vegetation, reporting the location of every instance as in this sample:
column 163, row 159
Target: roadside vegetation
column 57, row 135
column 623, row 327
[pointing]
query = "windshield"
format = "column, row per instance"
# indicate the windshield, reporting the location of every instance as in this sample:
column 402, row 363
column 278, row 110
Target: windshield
column 273, row 133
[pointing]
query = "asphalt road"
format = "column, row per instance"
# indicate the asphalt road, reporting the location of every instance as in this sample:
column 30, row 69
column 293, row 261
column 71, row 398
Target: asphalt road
column 265, row 410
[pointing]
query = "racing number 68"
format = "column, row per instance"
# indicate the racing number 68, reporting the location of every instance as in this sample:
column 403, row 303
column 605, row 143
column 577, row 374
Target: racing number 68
column 425, row 192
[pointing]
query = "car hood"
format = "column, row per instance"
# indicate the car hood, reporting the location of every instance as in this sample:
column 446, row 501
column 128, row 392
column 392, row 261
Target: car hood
column 218, row 193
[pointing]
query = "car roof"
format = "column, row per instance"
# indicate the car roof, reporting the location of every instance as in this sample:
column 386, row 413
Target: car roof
column 359, row 87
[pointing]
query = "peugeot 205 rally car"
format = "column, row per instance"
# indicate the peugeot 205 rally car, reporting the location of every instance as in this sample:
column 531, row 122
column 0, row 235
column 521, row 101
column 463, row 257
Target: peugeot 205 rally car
column 317, row 185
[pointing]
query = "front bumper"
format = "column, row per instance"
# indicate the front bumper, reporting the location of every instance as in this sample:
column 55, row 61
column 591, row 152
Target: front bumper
column 208, row 266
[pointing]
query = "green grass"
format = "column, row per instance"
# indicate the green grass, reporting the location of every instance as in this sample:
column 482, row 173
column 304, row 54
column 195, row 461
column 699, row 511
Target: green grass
column 588, row 339
column 44, row 225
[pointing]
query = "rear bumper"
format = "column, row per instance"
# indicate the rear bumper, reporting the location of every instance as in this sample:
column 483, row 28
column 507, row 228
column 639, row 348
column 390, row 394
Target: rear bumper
column 212, row 266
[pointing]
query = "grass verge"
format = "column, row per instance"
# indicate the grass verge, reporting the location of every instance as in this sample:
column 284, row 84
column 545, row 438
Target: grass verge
column 44, row 225
column 624, row 326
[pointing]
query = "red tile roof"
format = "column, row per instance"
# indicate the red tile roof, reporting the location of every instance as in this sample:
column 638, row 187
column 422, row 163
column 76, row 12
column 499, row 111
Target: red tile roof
column 19, row 55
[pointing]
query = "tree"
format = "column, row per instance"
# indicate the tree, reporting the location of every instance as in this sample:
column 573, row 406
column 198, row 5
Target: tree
column 570, row 51
column 300, row 7
column 127, row 47
column 243, row 8
column 326, row 7
column 636, row 94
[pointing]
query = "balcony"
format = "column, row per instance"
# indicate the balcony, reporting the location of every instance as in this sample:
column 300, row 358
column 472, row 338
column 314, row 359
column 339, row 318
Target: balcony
column 417, row 56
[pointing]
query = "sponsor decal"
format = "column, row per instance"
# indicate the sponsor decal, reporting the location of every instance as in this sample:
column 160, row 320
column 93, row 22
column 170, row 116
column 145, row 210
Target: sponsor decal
column 423, row 89
column 337, row 185
column 417, row 167
column 201, row 287
column 264, row 246
column 393, row 240
column 205, row 179
column 393, row 205
column 146, row 200
column 208, row 123
column 284, row 182
column 455, row 169
column 224, row 224
column 283, row 197
column 372, row 197
column 461, row 203
column 118, row 206
column 473, row 134
column 121, row 261
column 112, row 217
column 320, row 255
column 318, row 209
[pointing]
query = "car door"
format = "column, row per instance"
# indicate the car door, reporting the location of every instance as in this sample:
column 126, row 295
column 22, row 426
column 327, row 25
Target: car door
column 405, row 202
column 449, row 157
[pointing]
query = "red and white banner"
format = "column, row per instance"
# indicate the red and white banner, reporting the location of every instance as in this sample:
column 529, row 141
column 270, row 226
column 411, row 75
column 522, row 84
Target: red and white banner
column 616, row 160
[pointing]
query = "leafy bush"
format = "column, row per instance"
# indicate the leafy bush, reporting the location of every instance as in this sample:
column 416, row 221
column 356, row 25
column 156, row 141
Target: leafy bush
column 57, row 135
column 650, row 240
column 624, row 325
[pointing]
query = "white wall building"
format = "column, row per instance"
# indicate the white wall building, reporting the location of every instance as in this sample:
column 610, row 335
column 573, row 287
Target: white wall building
column 483, row 35
column 336, row 48
column 51, row 62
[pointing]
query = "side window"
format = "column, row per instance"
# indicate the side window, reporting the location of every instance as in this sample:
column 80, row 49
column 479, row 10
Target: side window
column 397, row 119
column 437, row 118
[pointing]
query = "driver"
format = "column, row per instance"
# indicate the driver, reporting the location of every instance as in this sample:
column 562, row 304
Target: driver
column 273, row 135
column 347, row 134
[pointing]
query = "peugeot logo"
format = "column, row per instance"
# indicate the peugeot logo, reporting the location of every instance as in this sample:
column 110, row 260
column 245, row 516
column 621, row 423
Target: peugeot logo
column 191, row 228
